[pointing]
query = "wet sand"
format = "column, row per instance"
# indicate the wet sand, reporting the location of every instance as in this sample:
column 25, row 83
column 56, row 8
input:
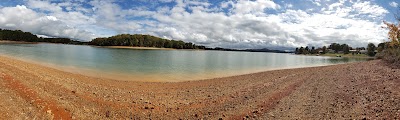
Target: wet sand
column 347, row 91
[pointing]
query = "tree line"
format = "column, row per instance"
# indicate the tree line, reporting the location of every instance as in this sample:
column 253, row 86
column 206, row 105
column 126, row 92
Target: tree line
column 138, row 40
column 18, row 35
column 337, row 48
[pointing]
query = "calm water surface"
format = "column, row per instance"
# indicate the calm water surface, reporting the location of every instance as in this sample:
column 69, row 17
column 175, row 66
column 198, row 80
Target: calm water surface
column 159, row 65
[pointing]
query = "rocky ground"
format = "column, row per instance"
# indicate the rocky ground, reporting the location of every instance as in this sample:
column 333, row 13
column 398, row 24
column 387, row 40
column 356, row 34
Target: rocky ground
column 367, row 90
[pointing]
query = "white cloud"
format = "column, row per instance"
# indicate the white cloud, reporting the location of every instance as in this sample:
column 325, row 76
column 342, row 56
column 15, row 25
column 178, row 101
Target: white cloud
column 44, row 5
column 355, row 24
column 370, row 9
column 166, row 1
column 289, row 5
column 316, row 2
column 246, row 24
column 23, row 18
column 258, row 6
column 393, row 4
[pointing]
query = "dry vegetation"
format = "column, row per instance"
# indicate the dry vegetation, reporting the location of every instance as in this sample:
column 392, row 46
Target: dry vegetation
column 391, row 52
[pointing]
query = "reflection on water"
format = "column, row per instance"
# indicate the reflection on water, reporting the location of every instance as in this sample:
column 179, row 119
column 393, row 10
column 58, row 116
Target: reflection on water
column 346, row 60
column 173, row 65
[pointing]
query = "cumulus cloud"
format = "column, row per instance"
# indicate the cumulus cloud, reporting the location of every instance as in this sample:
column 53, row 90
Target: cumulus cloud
column 355, row 24
column 232, row 24
column 367, row 8
column 316, row 2
column 44, row 5
column 21, row 17
column 393, row 4
column 258, row 6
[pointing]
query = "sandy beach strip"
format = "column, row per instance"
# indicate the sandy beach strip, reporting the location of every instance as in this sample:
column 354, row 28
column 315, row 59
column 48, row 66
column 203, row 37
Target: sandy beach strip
column 146, row 48
column 139, row 48
column 348, row 91
column 16, row 42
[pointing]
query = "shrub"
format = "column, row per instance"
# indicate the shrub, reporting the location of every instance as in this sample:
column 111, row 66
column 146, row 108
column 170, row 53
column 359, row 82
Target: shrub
column 391, row 56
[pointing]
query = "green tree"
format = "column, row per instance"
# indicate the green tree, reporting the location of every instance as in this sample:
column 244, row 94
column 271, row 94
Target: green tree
column 301, row 50
column 336, row 47
column 313, row 51
column 345, row 48
column 306, row 50
column 371, row 49
column 381, row 47
column 324, row 50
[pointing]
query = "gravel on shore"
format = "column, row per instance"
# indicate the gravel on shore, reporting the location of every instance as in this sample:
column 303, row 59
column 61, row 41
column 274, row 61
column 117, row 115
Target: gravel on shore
column 364, row 90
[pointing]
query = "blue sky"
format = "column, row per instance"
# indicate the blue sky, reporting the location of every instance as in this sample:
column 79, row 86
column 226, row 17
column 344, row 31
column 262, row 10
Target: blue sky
column 232, row 24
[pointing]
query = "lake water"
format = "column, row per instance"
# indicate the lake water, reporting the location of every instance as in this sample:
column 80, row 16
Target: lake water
column 158, row 65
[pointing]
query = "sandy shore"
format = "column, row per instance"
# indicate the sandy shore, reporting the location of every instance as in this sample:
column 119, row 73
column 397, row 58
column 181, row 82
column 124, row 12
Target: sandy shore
column 349, row 91
column 15, row 42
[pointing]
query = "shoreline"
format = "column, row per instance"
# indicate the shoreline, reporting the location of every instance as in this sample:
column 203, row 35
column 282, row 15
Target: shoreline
column 16, row 42
column 165, row 78
column 342, row 56
column 344, row 91
column 143, row 48
column 138, row 48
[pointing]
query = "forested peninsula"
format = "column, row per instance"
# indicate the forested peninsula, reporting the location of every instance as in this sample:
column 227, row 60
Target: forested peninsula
column 18, row 35
column 139, row 40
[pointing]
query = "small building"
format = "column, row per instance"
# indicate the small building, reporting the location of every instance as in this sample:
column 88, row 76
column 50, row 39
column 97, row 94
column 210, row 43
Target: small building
column 363, row 51
column 331, row 51
column 354, row 52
